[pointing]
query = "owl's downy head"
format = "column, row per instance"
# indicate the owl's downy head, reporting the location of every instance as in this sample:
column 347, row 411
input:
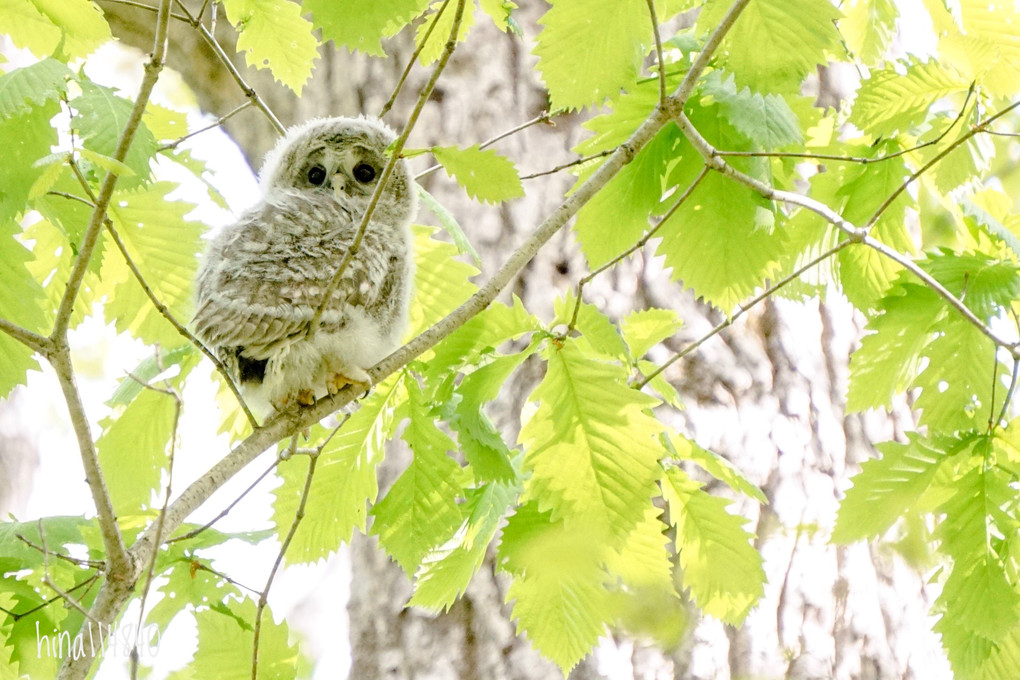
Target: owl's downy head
column 342, row 157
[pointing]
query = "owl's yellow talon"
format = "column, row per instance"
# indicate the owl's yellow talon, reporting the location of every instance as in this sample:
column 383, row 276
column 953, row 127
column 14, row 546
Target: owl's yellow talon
column 305, row 397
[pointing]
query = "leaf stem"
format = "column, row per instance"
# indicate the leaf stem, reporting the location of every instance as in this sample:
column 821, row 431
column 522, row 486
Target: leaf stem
column 658, row 51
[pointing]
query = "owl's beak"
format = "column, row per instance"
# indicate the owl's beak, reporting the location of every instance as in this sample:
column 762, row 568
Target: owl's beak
column 339, row 182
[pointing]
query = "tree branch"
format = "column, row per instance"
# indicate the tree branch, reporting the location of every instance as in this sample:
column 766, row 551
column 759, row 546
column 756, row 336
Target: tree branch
column 410, row 62
column 33, row 341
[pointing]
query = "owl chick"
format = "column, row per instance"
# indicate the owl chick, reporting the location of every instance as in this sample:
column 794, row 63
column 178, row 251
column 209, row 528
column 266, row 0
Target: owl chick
column 263, row 277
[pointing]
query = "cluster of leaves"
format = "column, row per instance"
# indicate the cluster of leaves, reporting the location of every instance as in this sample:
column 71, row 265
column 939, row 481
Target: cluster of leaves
column 596, row 509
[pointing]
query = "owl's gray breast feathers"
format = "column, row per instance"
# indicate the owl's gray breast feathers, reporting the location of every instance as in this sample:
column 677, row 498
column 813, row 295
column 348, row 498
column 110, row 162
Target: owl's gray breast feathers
column 264, row 276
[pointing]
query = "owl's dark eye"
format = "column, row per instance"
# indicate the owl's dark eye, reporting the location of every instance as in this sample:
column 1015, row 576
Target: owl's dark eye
column 317, row 175
column 364, row 173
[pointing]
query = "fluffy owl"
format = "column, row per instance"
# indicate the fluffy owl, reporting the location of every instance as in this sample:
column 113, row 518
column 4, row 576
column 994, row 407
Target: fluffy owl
column 263, row 277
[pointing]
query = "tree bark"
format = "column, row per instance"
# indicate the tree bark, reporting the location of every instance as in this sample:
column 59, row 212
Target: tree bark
column 768, row 394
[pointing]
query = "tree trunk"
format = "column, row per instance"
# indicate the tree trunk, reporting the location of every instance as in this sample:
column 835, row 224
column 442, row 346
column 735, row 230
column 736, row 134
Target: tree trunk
column 768, row 394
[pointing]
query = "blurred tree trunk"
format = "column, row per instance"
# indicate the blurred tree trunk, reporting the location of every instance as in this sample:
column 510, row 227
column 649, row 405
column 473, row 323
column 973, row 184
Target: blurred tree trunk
column 768, row 394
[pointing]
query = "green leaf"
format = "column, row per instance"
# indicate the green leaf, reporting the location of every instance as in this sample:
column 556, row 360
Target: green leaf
column 644, row 329
column 225, row 639
column 21, row 303
column 36, row 84
column 590, row 445
column 441, row 282
column 439, row 36
column 344, row 481
column 766, row 120
column 721, row 567
column 185, row 586
column 501, row 13
column 165, row 248
column 485, row 175
column 29, row 138
column 589, row 50
column 868, row 27
column 445, row 572
column 715, row 243
column 594, row 326
column 486, row 331
column 77, row 27
column 359, row 25
column 644, row 560
column 134, row 444
column 102, row 116
column 274, row 35
column 420, row 510
column 979, row 601
column 890, row 100
column 130, row 387
column 775, row 44
column 714, row 464
column 450, row 224
column 559, row 599
column 481, row 442
column 886, row 488
column 617, row 216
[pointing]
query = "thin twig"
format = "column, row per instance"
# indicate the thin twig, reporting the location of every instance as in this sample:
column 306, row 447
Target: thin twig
column 742, row 309
column 75, row 604
column 226, row 511
column 151, row 571
column 91, row 564
column 544, row 117
column 398, row 146
column 46, row 603
column 410, row 62
column 217, row 49
column 1009, row 392
column 146, row 6
column 212, row 126
column 658, row 51
column 579, row 161
column 263, row 597
column 637, row 246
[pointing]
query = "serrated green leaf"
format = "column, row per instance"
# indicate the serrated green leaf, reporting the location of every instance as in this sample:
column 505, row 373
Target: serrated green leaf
column 134, row 444
column 77, row 27
column 130, row 387
column 721, row 568
column 891, row 100
column 29, row 28
column 501, row 13
column 715, row 246
column 420, row 510
column 20, row 298
column 441, row 282
column 594, row 326
column 344, row 482
column 450, row 224
column 885, row 489
column 359, row 25
column 644, row 329
column 644, row 560
column 225, row 639
column 102, row 116
column 165, row 248
column 775, row 44
column 481, row 442
column 558, row 596
column 979, row 601
column 187, row 586
column 29, row 138
column 485, row 175
column 767, row 121
column 36, row 84
column 274, row 35
column 868, row 27
column 714, row 464
column 106, row 163
column 445, row 572
column 589, row 50
column 590, row 446
column 486, row 331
